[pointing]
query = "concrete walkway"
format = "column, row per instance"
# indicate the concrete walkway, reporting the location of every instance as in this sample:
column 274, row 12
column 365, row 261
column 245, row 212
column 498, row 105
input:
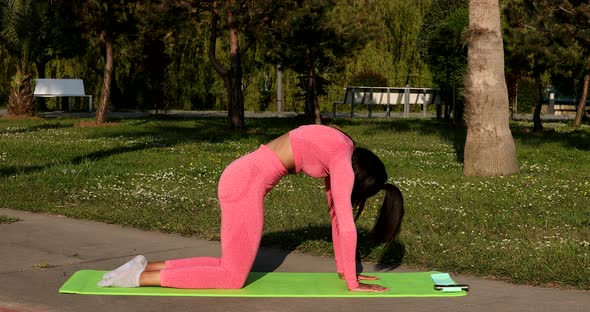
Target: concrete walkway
column 40, row 252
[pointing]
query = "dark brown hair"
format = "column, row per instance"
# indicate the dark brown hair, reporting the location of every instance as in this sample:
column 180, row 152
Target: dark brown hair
column 370, row 177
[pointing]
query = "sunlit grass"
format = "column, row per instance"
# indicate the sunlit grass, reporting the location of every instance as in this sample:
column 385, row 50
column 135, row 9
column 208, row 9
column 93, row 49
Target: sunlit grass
column 532, row 228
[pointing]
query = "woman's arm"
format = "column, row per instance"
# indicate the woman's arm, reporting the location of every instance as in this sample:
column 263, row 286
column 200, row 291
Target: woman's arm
column 335, row 235
column 341, row 184
column 339, row 189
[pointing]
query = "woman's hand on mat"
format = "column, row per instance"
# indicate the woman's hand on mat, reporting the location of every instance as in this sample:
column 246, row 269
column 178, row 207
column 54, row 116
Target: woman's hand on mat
column 361, row 277
column 370, row 288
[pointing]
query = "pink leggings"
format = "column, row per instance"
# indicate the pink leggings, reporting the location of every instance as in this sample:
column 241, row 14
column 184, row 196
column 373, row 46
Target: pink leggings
column 241, row 191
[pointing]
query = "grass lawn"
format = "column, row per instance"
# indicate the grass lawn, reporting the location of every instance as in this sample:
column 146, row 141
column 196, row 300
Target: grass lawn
column 161, row 174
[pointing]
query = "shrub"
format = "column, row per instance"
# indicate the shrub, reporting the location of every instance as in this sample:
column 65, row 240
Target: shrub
column 368, row 78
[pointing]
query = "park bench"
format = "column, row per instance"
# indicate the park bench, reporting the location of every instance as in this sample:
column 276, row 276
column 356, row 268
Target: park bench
column 62, row 88
column 562, row 105
column 387, row 96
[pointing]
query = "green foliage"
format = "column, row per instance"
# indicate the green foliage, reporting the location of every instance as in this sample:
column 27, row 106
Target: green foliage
column 32, row 33
column 444, row 47
column 21, row 33
column 315, row 29
column 547, row 38
column 21, row 29
column 443, row 41
column 528, row 37
column 527, row 98
column 110, row 18
column 369, row 78
column 7, row 70
column 538, row 40
column 394, row 52
column 573, row 17
column 314, row 37
column 176, row 34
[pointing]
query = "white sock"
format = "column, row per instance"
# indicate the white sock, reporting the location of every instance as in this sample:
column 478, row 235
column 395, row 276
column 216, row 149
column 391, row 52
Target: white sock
column 135, row 263
column 124, row 278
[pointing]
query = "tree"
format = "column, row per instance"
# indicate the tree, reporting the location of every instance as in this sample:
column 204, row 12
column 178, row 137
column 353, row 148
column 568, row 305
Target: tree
column 574, row 19
column 443, row 45
column 243, row 21
column 106, row 20
column 549, row 38
column 21, row 34
column 532, row 46
column 312, row 38
column 489, row 146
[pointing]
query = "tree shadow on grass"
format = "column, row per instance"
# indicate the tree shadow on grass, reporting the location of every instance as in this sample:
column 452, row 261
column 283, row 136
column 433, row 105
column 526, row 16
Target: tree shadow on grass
column 578, row 139
column 94, row 156
column 201, row 129
column 213, row 130
column 278, row 245
column 35, row 128
column 456, row 134
column 444, row 129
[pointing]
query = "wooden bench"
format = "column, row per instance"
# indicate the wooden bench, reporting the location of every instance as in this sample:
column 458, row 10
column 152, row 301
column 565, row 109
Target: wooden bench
column 388, row 96
column 62, row 88
column 559, row 105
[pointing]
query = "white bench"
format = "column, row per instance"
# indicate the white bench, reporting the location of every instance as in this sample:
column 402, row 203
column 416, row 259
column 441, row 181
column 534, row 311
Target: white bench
column 62, row 88
column 389, row 96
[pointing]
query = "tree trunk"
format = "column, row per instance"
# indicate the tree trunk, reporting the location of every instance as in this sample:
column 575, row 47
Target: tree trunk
column 312, row 107
column 537, row 124
column 515, row 104
column 235, row 113
column 232, row 77
column 280, row 96
column 105, row 95
column 581, row 111
column 489, row 146
column 309, row 96
column 21, row 100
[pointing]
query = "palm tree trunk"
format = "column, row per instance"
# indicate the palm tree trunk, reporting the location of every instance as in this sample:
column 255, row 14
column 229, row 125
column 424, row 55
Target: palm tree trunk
column 21, row 100
column 106, row 82
column 489, row 146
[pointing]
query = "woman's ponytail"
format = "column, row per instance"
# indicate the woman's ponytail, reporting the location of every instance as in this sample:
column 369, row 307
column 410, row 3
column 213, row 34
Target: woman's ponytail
column 388, row 224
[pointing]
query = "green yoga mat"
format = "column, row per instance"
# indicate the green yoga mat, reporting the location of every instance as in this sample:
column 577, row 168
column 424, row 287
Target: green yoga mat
column 273, row 284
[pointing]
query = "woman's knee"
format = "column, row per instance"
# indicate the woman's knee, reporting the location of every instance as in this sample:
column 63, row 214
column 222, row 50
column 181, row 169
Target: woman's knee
column 237, row 280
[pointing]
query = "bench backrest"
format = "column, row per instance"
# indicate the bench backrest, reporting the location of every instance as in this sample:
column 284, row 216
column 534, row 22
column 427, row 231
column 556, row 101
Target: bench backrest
column 59, row 87
column 392, row 96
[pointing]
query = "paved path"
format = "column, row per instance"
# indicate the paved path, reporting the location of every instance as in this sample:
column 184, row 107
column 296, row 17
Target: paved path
column 39, row 253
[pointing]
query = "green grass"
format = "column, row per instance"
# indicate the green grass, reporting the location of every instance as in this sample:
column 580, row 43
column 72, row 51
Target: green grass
column 7, row 219
column 161, row 174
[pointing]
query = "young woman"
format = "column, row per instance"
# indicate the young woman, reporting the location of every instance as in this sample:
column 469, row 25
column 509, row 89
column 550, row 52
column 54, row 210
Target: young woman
column 351, row 176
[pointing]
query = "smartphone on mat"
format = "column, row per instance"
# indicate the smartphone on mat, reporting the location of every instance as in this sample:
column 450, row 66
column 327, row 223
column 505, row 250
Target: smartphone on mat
column 462, row 286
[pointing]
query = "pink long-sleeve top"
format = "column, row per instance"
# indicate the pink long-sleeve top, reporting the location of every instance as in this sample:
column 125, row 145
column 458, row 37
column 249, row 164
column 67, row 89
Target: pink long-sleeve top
column 325, row 152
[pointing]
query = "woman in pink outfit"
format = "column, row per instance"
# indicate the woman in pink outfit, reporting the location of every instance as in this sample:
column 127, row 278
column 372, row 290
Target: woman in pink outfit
column 352, row 174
